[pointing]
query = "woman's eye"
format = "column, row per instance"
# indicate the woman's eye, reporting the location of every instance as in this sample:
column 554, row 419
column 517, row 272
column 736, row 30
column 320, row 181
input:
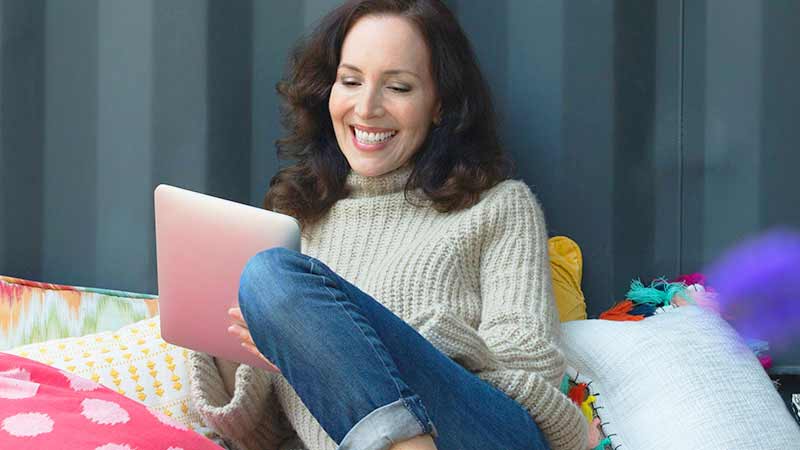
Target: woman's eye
column 351, row 83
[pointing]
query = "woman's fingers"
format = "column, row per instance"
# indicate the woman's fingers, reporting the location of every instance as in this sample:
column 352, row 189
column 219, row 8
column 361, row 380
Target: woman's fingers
column 242, row 333
column 252, row 349
column 239, row 329
column 236, row 315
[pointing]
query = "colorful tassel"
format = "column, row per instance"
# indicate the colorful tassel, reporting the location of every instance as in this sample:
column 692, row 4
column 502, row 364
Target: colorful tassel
column 706, row 299
column 659, row 293
column 586, row 407
column 565, row 385
column 602, row 444
column 690, row 279
column 578, row 393
column 643, row 310
column 620, row 312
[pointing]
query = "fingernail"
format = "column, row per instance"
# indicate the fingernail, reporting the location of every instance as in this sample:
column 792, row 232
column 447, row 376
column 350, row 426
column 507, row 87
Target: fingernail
column 231, row 329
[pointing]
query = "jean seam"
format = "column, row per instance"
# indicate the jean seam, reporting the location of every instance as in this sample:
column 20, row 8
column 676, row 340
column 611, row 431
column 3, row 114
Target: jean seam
column 399, row 393
column 413, row 414
column 398, row 406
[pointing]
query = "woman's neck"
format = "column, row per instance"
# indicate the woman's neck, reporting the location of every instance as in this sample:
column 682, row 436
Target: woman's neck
column 390, row 182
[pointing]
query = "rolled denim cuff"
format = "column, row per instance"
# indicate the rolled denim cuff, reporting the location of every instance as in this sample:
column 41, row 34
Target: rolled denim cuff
column 396, row 422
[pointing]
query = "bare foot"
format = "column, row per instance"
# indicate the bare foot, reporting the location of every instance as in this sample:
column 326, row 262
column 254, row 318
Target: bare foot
column 424, row 442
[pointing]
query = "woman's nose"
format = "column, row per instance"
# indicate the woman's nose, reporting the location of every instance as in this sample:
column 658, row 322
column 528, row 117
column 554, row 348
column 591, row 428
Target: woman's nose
column 369, row 104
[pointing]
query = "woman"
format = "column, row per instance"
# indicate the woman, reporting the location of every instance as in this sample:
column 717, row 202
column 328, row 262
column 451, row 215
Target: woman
column 449, row 339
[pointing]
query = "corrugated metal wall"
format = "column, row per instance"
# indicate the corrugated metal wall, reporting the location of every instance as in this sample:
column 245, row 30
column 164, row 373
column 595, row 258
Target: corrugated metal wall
column 655, row 132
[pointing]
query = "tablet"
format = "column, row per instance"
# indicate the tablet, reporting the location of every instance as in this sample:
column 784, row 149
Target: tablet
column 202, row 246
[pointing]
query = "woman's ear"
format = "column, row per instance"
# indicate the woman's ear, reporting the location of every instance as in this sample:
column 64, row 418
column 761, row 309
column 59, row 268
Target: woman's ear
column 437, row 115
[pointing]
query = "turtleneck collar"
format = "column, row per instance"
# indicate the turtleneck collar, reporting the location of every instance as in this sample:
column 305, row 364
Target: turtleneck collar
column 394, row 181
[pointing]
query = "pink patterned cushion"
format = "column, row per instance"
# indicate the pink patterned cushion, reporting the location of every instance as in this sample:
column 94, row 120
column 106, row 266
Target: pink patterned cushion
column 45, row 408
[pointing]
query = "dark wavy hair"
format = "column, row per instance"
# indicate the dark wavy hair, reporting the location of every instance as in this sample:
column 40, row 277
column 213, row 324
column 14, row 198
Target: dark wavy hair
column 461, row 156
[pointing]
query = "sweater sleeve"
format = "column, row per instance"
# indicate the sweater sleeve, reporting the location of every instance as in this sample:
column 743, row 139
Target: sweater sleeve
column 250, row 416
column 519, row 320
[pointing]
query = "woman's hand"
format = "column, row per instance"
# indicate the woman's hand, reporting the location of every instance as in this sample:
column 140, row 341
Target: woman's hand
column 239, row 328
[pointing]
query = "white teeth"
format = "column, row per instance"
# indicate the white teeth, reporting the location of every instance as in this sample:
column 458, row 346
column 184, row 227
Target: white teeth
column 373, row 138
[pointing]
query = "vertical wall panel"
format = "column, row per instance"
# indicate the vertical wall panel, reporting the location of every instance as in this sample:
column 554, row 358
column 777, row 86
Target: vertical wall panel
column 666, row 138
column 734, row 34
column 313, row 10
column 70, row 143
column 646, row 209
column 229, row 92
column 722, row 130
column 509, row 38
column 693, row 137
column 489, row 26
column 587, row 168
column 530, row 95
column 180, row 96
column 21, row 140
column 124, row 145
column 276, row 27
column 740, row 137
column 633, row 220
column 778, row 192
column 780, row 155
column 588, row 106
column 722, row 124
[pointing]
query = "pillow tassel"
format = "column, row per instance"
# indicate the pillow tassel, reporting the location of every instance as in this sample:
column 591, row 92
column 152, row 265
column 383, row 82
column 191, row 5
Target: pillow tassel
column 659, row 293
column 565, row 384
column 602, row 444
column 578, row 393
column 586, row 407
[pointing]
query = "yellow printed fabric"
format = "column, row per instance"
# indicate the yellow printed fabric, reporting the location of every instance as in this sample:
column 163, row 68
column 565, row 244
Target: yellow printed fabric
column 566, row 264
column 133, row 361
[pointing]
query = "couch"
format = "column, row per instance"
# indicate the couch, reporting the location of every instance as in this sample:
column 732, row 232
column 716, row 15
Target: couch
column 680, row 379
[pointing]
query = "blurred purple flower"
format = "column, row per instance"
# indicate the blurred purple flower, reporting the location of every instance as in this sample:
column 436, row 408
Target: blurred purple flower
column 758, row 286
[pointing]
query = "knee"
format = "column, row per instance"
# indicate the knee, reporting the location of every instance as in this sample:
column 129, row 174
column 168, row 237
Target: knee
column 265, row 282
column 268, row 263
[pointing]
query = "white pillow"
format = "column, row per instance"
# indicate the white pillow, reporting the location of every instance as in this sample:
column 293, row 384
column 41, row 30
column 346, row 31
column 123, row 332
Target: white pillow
column 678, row 380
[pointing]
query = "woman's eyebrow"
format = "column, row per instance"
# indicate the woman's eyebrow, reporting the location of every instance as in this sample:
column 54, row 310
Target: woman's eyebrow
column 386, row 72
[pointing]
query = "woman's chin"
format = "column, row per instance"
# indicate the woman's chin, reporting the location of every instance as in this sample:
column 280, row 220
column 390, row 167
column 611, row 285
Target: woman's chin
column 370, row 170
column 368, row 173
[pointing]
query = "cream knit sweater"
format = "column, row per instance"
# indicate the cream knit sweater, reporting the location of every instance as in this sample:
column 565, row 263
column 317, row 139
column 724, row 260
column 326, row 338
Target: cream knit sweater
column 476, row 283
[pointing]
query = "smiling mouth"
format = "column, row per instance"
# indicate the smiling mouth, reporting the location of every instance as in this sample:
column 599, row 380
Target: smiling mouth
column 367, row 138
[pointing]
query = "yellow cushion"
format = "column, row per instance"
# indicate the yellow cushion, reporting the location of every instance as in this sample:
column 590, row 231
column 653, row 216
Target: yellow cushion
column 566, row 267
column 133, row 361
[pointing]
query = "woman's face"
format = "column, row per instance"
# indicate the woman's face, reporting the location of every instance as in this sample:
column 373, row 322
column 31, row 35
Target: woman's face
column 384, row 100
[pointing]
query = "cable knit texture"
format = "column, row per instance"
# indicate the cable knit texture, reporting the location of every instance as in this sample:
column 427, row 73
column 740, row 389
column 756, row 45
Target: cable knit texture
column 476, row 283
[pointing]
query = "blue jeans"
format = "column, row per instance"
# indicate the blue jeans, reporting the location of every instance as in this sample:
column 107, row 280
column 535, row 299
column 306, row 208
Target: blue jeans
column 368, row 377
